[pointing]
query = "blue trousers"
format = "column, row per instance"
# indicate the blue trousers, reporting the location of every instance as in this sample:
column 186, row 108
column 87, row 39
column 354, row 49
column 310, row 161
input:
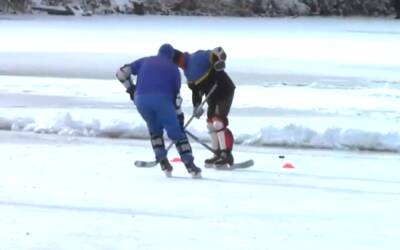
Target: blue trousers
column 159, row 113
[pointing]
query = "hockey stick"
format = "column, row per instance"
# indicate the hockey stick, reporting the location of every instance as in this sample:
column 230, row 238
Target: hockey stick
column 243, row 164
column 147, row 164
column 197, row 139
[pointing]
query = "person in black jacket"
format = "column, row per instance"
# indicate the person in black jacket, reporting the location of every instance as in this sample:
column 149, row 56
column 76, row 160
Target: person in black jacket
column 203, row 69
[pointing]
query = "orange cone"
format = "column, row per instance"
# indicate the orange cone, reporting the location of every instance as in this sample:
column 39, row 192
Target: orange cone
column 288, row 165
column 176, row 159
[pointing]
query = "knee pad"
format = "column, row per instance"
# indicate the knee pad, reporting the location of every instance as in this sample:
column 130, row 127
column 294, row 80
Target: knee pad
column 183, row 146
column 210, row 126
column 225, row 139
column 157, row 141
column 224, row 136
column 218, row 124
column 184, row 150
column 213, row 134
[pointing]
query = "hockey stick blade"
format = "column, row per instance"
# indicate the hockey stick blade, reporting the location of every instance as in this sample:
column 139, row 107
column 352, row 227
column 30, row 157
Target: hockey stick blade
column 239, row 165
column 145, row 164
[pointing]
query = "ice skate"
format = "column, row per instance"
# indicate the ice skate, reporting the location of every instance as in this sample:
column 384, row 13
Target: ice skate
column 225, row 160
column 209, row 163
column 166, row 167
column 193, row 170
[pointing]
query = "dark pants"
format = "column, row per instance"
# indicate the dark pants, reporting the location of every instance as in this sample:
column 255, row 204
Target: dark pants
column 220, row 108
column 220, row 101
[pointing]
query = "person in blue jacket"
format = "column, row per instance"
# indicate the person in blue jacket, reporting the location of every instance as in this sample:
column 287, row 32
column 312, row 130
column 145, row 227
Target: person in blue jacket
column 203, row 69
column 157, row 98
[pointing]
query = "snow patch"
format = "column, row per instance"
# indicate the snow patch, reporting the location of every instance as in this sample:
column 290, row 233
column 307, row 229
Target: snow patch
column 288, row 136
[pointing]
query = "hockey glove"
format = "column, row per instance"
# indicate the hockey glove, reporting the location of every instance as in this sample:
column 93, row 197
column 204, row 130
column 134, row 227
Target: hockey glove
column 131, row 91
column 198, row 112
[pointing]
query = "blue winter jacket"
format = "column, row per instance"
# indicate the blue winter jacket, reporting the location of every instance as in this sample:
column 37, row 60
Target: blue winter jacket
column 157, row 74
column 198, row 66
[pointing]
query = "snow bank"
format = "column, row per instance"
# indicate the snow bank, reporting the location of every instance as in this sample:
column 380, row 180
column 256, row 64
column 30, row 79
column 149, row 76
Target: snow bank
column 288, row 136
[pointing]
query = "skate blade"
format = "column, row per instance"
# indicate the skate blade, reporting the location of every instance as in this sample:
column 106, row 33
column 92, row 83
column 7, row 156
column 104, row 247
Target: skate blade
column 168, row 173
column 196, row 176
column 208, row 165
column 222, row 167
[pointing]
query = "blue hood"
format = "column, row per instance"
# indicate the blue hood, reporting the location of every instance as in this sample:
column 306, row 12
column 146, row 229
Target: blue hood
column 166, row 50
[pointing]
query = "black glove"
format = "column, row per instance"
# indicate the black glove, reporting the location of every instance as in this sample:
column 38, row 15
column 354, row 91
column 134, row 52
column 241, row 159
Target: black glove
column 131, row 92
column 181, row 119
